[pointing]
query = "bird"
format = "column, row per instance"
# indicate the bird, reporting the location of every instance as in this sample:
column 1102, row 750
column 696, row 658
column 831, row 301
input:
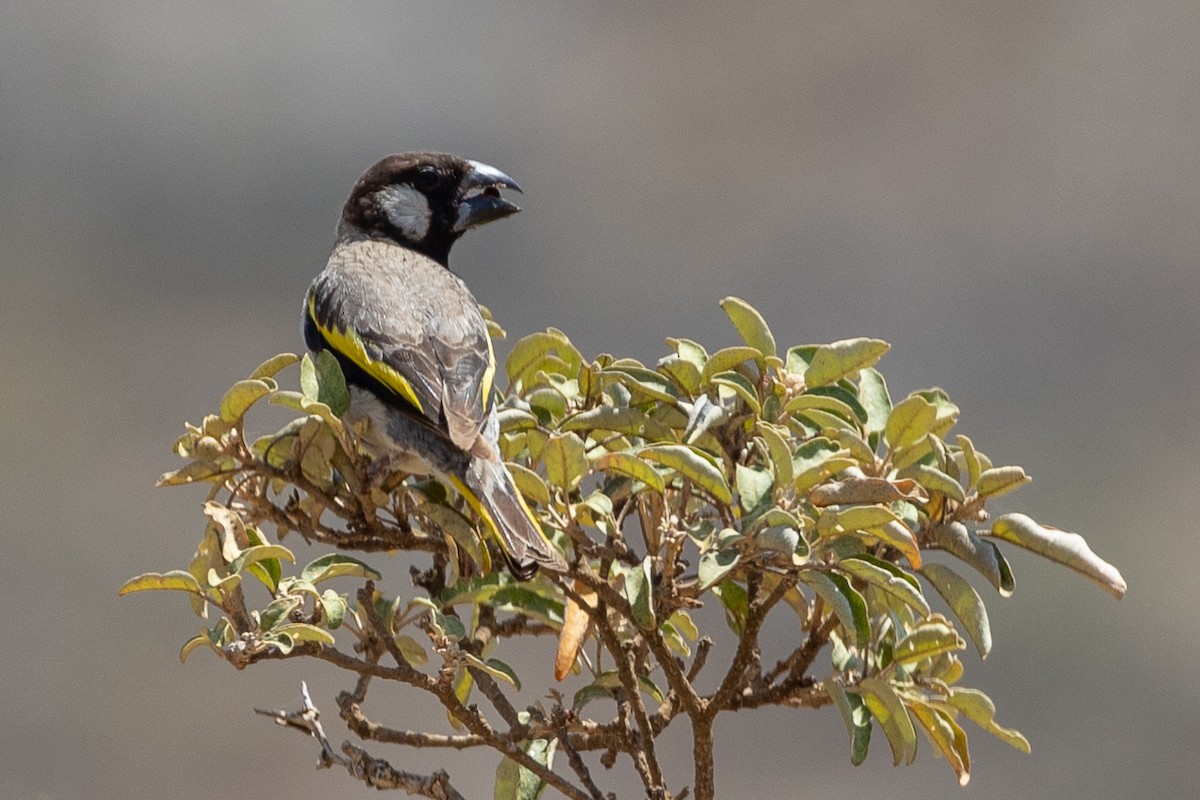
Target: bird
column 412, row 341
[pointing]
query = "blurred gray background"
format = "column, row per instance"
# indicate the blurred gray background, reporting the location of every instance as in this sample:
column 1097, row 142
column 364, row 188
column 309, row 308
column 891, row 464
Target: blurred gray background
column 1007, row 192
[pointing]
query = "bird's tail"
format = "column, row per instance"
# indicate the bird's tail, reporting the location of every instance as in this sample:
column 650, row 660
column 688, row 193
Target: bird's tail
column 490, row 490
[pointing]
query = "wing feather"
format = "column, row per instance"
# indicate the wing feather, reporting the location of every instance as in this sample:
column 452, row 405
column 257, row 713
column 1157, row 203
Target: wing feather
column 412, row 327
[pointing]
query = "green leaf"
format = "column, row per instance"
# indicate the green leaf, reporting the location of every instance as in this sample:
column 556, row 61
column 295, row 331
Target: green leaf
column 176, row 580
column 195, row 642
column 776, row 438
column 927, row 640
column 727, row 359
column 888, row 579
column 639, row 591
column 783, row 539
column 459, row 528
column 947, row 412
column 846, row 603
column 1001, row 480
column 979, row 554
column 857, row 718
column 263, row 552
column 496, row 668
column 980, row 709
column 334, row 607
column 412, row 650
column 514, row 782
column 607, row 684
column 310, row 388
column 799, row 357
column 1069, row 549
column 633, row 467
column 750, row 325
column 909, row 422
column 689, row 350
column 970, row 460
column 837, row 360
column 873, row 394
column 739, row 385
column 755, row 487
column 529, row 483
column 336, row 565
column 947, row 736
column 241, row 396
column 331, row 383
column 965, row 602
column 684, row 373
column 933, row 479
column 302, row 632
column 274, row 365
column 530, row 352
column 512, row 420
column 736, row 601
column 807, row 402
column 565, row 457
column 623, row 419
column 865, row 517
column 197, row 470
column 893, row 717
column 693, row 464
column 646, row 381
column 715, row 564
column 701, row 416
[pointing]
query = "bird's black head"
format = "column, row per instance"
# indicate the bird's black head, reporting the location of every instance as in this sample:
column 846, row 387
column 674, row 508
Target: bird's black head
column 425, row 201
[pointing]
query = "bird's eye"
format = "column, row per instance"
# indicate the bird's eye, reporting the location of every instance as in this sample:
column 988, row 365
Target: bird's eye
column 427, row 178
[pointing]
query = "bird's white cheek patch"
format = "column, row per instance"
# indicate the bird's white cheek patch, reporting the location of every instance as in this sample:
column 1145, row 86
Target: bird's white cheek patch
column 407, row 208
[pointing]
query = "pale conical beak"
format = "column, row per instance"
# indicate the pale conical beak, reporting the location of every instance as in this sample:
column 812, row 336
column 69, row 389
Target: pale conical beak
column 479, row 196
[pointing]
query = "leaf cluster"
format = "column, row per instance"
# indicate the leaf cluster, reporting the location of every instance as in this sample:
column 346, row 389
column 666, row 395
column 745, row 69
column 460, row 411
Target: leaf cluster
column 749, row 477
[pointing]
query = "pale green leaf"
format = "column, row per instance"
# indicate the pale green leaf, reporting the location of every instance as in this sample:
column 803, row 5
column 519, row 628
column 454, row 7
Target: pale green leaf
column 176, row 580
column 565, row 457
column 893, row 717
column 927, row 640
column 873, row 394
column 754, row 485
column 887, row 579
column 739, row 385
column 241, row 396
column 1001, row 480
column 336, row 565
column 837, row 360
column 633, row 467
column 1069, row 549
column 274, row 365
column 749, row 324
column 303, row 632
column 980, row 709
column 932, row 479
column 639, row 591
column 715, row 565
column 726, row 359
column 981, row 555
column 331, row 383
column 909, row 422
column 846, row 603
column 947, row 736
column 857, row 718
column 263, row 552
column 965, row 602
column 693, row 464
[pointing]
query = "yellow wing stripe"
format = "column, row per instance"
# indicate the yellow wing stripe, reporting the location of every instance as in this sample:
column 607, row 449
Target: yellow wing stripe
column 351, row 345
column 488, row 375
column 477, row 505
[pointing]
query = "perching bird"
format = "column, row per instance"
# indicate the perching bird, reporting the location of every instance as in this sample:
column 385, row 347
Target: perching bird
column 412, row 341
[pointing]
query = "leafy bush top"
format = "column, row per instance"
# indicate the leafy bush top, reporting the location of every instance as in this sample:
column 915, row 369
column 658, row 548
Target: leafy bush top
column 752, row 477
